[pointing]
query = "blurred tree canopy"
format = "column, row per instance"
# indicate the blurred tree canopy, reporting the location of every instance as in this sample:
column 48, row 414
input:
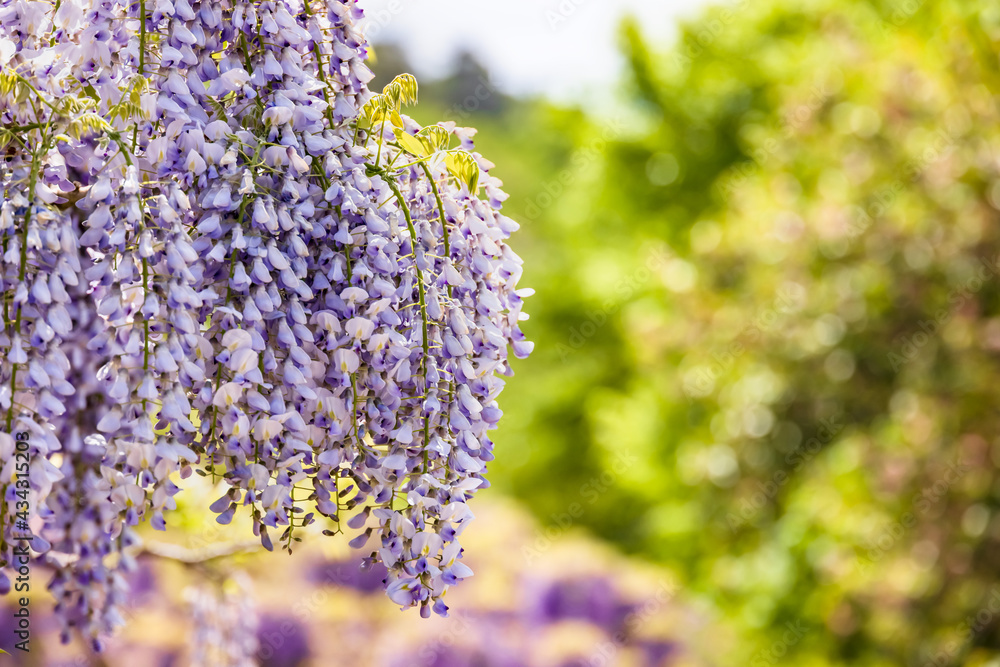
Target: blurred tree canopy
column 767, row 323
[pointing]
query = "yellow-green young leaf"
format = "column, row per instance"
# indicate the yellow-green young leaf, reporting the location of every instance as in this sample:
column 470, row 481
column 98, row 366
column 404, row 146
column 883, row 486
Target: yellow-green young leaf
column 73, row 105
column 217, row 107
column 411, row 144
column 368, row 110
column 454, row 166
column 396, row 96
column 252, row 119
column 391, row 94
column 396, row 119
column 435, row 137
column 472, row 180
column 8, row 83
column 22, row 94
column 463, row 166
column 376, row 108
column 88, row 122
column 129, row 110
column 404, row 89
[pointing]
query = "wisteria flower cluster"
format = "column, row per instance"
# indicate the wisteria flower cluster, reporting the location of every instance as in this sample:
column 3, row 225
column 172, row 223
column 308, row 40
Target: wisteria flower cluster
column 223, row 254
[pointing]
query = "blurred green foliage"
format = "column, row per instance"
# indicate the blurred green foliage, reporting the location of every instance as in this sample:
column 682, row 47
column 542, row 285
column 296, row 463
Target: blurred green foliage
column 767, row 325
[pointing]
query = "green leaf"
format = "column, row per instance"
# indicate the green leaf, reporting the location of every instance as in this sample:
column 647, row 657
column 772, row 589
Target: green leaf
column 411, row 144
column 8, row 83
column 472, row 180
column 402, row 90
column 377, row 109
column 464, row 167
column 435, row 137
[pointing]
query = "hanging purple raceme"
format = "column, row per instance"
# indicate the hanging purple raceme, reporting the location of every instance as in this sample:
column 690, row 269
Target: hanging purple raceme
column 222, row 254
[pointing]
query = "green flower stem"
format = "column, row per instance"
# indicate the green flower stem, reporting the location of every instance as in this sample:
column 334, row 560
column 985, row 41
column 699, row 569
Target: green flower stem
column 381, row 138
column 447, row 247
column 142, row 37
column 23, row 270
column 444, row 223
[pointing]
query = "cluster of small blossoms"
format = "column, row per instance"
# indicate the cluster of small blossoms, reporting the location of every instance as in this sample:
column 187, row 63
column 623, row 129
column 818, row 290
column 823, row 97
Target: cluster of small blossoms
column 224, row 625
column 223, row 254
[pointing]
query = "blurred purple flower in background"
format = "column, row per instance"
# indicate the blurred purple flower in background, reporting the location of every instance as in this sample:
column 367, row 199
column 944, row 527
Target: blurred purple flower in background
column 282, row 642
column 593, row 600
column 348, row 574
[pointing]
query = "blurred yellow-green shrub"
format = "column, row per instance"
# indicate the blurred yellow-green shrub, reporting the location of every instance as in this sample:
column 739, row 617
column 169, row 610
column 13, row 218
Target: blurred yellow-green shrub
column 769, row 328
